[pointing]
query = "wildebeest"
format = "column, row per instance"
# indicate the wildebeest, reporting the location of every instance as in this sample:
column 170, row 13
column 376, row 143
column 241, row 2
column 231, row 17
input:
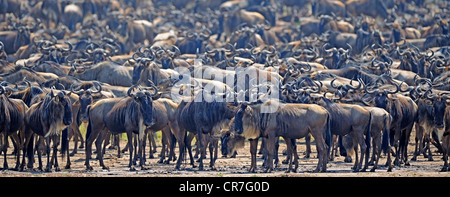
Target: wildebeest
column 446, row 139
column 201, row 116
column 164, row 114
column 47, row 118
column 251, row 121
column 86, row 96
column 353, row 120
column 12, row 113
column 131, row 114
column 404, row 113
column 107, row 72
column 13, row 40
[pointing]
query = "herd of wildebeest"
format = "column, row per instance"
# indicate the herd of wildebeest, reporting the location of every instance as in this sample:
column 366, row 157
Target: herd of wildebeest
column 349, row 75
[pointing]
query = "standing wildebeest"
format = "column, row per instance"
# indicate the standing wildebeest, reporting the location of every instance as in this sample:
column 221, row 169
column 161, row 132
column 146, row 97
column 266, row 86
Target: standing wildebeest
column 201, row 116
column 47, row 118
column 430, row 111
column 446, row 138
column 353, row 120
column 12, row 113
column 404, row 113
column 380, row 125
column 131, row 114
column 164, row 113
column 252, row 122
column 86, row 96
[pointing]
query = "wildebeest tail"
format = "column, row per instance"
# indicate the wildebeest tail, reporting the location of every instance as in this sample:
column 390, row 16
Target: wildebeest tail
column 385, row 140
column 64, row 142
column 89, row 128
column 368, row 134
column 328, row 136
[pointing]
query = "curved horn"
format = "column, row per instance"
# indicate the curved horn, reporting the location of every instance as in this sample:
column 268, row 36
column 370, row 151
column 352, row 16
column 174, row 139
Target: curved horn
column 70, row 47
column 98, row 87
column 427, row 94
column 153, row 86
column 131, row 89
column 396, row 90
column 367, row 91
column 334, row 86
column 328, row 50
column 354, row 88
column 75, row 91
column 2, row 90
column 176, row 51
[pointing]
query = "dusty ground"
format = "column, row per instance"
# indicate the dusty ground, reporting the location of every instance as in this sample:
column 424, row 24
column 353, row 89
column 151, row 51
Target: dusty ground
column 231, row 167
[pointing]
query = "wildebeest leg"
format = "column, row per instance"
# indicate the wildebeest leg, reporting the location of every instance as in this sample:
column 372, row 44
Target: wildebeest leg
column 445, row 149
column 39, row 152
column 144, row 144
column 91, row 135
column 150, row 151
column 71, row 130
column 201, row 147
column 141, row 150
column 172, row 143
column 262, row 147
column 189, row 149
column 334, row 146
column 405, row 137
column 436, row 142
column 389, row 159
column 98, row 144
column 181, row 136
column 294, row 150
column 270, row 148
column 213, row 144
column 19, row 141
column 322, row 152
column 49, row 165
column 275, row 154
column 253, row 149
column 130, row 148
column 418, row 140
column 153, row 144
column 396, row 138
column 135, row 149
column 55, row 152
column 376, row 141
column 290, row 148
column 430, row 155
column 27, row 138
column 308, row 145
column 4, row 149
column 165, row 133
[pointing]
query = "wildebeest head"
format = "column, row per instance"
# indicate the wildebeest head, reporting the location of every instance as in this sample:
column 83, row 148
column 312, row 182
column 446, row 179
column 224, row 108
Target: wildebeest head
column 142, row 57
column 230, row 141
column 137, row 69
column 238, row 122
column 381, row 99
column 145, row 102
column 439, row 104
column 55, row 104
column 167, row 56
column 85, row 98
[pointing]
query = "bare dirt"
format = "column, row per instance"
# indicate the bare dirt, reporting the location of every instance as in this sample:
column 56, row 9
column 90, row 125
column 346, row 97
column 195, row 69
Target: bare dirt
column 229, row 167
